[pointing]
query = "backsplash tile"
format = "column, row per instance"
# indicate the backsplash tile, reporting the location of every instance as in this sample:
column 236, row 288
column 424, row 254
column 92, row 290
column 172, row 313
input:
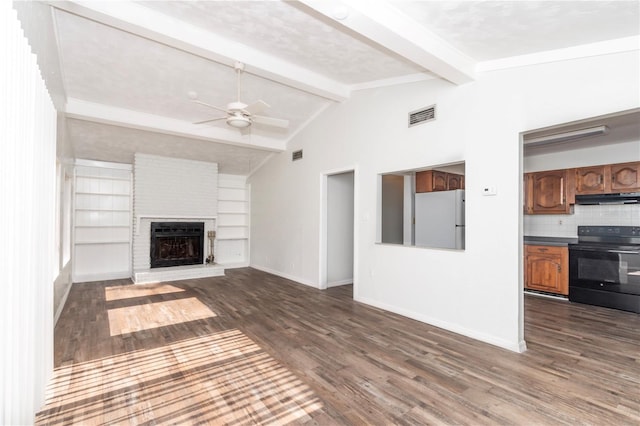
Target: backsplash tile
column 562, row 225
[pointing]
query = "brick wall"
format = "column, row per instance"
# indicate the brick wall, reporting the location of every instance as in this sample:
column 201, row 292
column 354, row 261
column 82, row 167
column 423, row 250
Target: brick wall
column 170, row 189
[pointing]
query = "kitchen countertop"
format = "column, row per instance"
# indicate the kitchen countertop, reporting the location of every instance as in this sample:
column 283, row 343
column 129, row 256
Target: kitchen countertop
column 549, row 241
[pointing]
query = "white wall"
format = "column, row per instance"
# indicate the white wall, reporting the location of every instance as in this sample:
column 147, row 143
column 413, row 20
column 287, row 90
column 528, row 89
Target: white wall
column 170, row 189
column 477, row 292
column 27, row 185
column 340, row 229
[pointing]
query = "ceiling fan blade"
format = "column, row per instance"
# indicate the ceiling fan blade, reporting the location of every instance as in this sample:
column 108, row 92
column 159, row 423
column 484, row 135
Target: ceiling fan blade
column 210, row 106
column 270, row 121
column 210, row 120
column 257, row 107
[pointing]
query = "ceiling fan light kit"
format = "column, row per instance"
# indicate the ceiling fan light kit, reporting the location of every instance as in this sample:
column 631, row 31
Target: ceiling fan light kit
column 238, row 121
column 239, row 114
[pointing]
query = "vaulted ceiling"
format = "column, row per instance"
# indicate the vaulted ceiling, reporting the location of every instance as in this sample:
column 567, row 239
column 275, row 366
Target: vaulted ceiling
column 121, row 70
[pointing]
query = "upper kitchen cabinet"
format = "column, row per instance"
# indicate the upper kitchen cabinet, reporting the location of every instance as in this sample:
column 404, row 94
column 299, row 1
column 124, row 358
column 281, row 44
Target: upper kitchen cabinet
column 610, row 178
column 625, row 177
column 549, row 192
column 590, row 180
column 435, row 180
column 455, row 181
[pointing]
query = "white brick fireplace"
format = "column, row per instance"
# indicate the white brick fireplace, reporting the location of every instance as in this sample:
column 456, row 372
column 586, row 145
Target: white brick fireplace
column 172, row 190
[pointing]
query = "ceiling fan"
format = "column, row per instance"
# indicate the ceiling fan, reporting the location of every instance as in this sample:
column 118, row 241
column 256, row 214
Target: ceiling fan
column 239, row 114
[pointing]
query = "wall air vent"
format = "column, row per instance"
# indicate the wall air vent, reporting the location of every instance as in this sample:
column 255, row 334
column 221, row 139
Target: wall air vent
column 296, row 155
column 422, row 115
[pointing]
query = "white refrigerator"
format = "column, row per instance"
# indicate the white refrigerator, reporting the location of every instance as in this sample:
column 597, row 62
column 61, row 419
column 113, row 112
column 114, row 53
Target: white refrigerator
column 439, row 219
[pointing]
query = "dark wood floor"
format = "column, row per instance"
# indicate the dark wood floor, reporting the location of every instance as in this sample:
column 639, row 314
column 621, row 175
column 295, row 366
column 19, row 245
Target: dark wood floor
column 252, row 348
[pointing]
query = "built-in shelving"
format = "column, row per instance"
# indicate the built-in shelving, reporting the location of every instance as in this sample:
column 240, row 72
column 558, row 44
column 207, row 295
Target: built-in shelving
column 101, row 242
column 102, row 221
column 232, row 246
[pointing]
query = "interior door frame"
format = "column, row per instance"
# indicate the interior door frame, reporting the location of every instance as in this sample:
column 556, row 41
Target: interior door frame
column 323, row 237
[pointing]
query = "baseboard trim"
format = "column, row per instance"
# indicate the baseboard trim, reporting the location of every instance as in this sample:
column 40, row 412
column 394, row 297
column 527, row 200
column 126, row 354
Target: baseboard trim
column 285, row 275
column 101, row 277
column 340, row 282
column 518, row 347
column 233, row 265
column 63, row 301
column 546, row 295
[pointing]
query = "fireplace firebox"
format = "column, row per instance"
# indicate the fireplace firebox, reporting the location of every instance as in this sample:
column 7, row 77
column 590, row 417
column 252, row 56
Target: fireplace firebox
column 176, row 243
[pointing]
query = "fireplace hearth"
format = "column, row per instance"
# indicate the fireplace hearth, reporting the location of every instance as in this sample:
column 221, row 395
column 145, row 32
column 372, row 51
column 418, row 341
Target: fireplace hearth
column 176, row 244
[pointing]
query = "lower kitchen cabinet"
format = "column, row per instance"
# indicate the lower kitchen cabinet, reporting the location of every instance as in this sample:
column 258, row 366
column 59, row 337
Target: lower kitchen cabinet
column 547, row 269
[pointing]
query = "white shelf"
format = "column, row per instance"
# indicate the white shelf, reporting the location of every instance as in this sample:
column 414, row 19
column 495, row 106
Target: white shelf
column 232, row 194
column 120, row 178
column 102, row 221
column 103, row 226
column 102, row 210
column 88, row 243
column 106, row 194
column 233, row 252
column 232, row 240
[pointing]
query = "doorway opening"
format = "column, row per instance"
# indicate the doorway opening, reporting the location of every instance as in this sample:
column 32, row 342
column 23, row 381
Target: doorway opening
column 338, row 230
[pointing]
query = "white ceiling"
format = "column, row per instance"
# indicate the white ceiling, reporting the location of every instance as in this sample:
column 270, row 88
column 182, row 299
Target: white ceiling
column 125, row 67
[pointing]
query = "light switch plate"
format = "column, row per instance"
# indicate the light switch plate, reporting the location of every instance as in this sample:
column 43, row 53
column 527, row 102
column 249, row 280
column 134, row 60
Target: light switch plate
column 489, row 190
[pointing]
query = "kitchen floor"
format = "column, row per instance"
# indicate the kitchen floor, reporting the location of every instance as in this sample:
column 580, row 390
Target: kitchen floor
column 253, row 348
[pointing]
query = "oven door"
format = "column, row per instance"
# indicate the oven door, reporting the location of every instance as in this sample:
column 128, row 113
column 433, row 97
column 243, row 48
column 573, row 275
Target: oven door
column 605, row 276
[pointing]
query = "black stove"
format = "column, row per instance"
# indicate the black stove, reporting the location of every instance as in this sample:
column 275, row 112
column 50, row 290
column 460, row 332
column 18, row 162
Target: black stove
column 604, row 267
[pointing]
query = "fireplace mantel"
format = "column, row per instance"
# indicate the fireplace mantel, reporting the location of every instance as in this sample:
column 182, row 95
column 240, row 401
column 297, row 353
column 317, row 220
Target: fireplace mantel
column 140, row 217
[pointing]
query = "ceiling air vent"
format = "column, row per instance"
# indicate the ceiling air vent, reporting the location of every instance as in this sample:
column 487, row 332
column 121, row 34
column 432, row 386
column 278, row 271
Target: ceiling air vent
column 296, row 155
column 422, row 115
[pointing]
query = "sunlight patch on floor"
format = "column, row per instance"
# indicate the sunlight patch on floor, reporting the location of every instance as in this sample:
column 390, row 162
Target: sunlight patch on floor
column 221, row 378
column 138, row 290
column 145, row 316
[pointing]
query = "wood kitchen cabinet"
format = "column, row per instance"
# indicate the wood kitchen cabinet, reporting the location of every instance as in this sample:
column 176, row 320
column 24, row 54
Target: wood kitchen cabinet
column 434, row 180
column 547, row 269
column 591, row 180
column 455, row 181
column 609, row 178
column 625, row 177
column 549, row 192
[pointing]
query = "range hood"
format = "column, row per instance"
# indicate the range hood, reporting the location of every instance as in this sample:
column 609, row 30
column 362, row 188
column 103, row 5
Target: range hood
column 620, row 198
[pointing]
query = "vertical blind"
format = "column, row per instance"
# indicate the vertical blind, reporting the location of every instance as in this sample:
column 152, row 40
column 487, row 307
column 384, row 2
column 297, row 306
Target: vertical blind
column 27, row 218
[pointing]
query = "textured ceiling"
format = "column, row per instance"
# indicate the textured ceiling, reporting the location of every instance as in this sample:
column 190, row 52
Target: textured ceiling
column 129, row 65
column 118, row 144
column 487, row 30
column 293, row 34
column 116, row 68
